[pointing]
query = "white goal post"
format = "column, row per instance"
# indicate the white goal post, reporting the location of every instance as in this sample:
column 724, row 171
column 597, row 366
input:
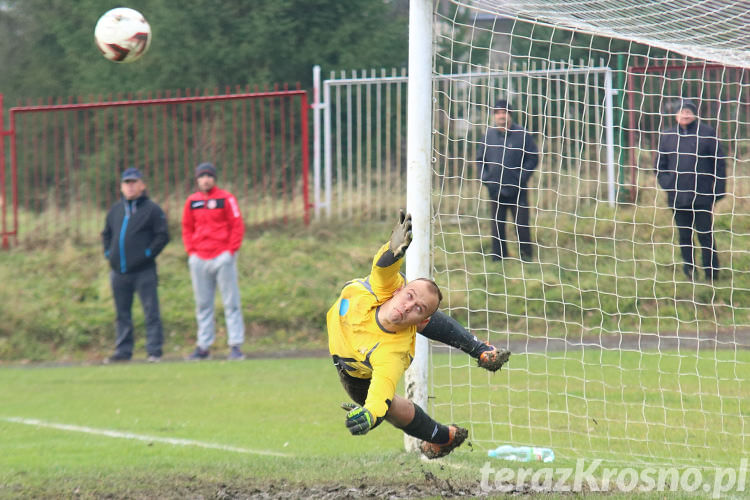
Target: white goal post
column 617, row 354
column 419, row 181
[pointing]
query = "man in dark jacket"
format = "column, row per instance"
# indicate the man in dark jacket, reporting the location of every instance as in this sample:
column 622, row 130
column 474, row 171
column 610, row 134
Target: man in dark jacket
column 507, row 158
column 134, row 234
column 691, row 168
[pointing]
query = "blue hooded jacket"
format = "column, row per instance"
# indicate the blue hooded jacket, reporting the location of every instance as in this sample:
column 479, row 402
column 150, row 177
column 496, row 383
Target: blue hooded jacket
column 135, row 232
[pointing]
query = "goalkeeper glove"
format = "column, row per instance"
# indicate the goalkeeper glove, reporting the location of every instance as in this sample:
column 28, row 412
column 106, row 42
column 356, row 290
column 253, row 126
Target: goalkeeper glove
column 359, row 420
column 401, row 235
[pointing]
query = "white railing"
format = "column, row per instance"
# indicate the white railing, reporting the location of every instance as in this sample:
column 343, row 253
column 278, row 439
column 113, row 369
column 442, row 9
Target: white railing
column 359, row 152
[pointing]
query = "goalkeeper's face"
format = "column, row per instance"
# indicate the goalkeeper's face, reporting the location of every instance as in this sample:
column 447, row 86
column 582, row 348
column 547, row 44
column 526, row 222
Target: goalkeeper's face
column 412, row 304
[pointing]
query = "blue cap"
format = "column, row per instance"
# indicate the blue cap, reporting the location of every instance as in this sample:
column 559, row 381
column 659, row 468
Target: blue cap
column 132, row 173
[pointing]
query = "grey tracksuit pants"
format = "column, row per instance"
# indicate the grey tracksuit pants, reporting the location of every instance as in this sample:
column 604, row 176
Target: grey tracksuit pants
column 206, row 274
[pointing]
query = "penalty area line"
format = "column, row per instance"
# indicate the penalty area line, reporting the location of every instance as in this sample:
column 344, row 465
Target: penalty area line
column 140, row 437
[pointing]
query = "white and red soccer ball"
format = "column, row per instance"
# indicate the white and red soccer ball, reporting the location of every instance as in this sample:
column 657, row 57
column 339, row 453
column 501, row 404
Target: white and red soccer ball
column 122, row 34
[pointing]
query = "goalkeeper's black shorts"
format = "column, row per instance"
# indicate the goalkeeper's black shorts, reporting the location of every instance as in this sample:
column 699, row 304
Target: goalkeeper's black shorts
column 355, row 387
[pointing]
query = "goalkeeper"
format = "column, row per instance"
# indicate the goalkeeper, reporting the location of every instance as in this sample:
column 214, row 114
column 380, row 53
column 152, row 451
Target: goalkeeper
column 371, row 334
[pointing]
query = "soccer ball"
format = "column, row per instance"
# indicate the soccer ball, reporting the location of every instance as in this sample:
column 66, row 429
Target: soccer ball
column 122, row 34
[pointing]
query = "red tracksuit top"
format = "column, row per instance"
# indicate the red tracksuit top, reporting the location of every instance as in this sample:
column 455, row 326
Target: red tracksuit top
column 212, row 224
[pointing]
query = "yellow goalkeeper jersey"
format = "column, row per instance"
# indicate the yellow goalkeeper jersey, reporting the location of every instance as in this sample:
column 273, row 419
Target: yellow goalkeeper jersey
column 363, row 347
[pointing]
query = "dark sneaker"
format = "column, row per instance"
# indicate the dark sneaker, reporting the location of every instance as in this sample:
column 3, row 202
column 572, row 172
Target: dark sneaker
column 493, row 359
column 457, row 436
column 235, row 354
column 199, row 354
column 117, row 357
column 153, row 359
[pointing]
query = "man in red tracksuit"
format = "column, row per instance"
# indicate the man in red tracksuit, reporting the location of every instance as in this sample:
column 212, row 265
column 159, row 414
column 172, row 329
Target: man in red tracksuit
column 212, row 230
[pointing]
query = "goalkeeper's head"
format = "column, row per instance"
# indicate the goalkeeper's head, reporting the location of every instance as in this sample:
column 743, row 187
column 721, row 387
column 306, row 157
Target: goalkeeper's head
column 412, row 304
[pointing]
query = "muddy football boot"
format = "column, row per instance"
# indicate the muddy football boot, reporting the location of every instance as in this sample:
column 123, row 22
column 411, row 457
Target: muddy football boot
column 433, row 450
column 493, row 359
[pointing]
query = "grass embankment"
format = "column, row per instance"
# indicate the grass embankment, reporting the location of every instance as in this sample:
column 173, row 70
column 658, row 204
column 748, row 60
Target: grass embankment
column 599, row 271
column 56, row 301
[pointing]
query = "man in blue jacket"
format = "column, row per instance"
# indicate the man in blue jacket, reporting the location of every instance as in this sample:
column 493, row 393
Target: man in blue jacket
column 134, row 234
column 507, row 159
column 691, row 168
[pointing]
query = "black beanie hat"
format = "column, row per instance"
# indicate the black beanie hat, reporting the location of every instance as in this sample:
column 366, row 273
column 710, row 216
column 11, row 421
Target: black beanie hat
column 688, row 104
column 503, row 104
column 205, row 168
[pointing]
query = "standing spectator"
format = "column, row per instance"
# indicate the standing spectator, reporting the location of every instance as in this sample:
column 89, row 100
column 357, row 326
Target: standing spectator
column 691, row 168
column 212, row 231
column 135, row 232
column 508, row 157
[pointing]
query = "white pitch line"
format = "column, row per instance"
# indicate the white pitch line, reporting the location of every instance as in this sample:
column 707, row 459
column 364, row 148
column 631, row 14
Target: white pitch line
column 140, row 437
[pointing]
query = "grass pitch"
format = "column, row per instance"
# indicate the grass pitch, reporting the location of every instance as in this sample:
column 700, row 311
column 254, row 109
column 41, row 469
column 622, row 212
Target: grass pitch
column 264, row 427
column 279, row 417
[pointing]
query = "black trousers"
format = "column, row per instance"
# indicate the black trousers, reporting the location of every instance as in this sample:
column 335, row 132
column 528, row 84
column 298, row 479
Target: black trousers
column 518, row 206
column 124, row 287
column 700, row 220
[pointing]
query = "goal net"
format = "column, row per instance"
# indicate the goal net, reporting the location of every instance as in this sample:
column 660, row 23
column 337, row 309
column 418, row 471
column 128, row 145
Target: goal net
column 617, row 353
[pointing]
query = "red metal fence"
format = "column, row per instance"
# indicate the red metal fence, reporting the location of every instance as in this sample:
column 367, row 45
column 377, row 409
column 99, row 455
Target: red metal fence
column 65, row 159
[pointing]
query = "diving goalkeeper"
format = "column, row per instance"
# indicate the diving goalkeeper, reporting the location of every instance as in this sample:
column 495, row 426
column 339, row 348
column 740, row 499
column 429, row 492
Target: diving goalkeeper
column 371, row 335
